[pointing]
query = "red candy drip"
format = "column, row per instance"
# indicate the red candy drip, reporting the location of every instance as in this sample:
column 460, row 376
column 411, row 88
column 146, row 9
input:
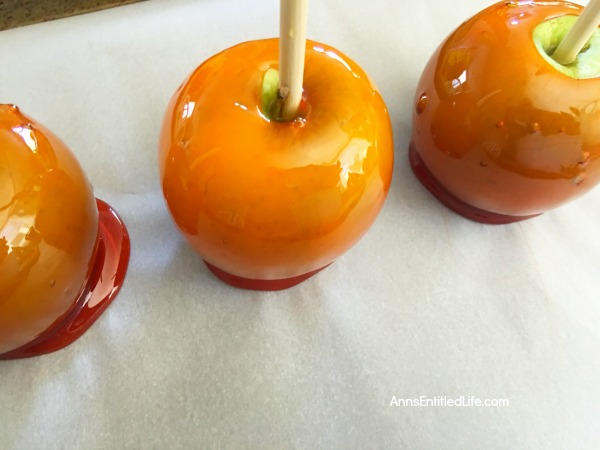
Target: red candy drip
column 432, row 184
column 260, row 285
column 106, row 278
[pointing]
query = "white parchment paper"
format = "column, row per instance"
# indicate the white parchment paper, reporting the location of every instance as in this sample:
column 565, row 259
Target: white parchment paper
column 428, row 304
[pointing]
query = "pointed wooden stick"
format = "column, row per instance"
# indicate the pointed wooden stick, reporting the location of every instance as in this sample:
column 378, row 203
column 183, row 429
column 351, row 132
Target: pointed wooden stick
column 292, row 48
column 579, row 34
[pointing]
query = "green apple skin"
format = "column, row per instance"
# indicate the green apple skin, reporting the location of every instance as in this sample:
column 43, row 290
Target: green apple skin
column 550, row 33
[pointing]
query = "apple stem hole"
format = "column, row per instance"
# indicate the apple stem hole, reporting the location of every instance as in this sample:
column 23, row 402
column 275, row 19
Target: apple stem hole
column 579, row 35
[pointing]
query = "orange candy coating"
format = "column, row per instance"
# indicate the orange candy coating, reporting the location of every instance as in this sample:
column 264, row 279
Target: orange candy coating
column 497, row 126
column 48, row 229
column 269, row 200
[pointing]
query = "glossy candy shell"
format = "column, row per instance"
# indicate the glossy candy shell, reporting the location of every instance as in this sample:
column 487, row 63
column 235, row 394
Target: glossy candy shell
column 267, row 201
column 52, row 246
column 500, row 135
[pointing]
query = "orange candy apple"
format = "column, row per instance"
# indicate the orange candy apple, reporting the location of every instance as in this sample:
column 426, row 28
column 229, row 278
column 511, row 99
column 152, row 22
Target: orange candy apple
column 63, row 254
column 266, row 203
column 501, row 132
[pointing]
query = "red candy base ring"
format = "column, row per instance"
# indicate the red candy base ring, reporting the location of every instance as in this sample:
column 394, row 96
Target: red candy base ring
column 260, row 285
column 105, row 280
column 443, row 195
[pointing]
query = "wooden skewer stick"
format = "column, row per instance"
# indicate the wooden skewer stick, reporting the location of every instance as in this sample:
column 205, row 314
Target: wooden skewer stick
column 579, row 34
column 292, row 48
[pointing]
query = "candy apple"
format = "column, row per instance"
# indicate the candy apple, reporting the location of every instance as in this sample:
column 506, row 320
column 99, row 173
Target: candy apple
column 63, row 254
column 501, row 131
column 268, row 203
